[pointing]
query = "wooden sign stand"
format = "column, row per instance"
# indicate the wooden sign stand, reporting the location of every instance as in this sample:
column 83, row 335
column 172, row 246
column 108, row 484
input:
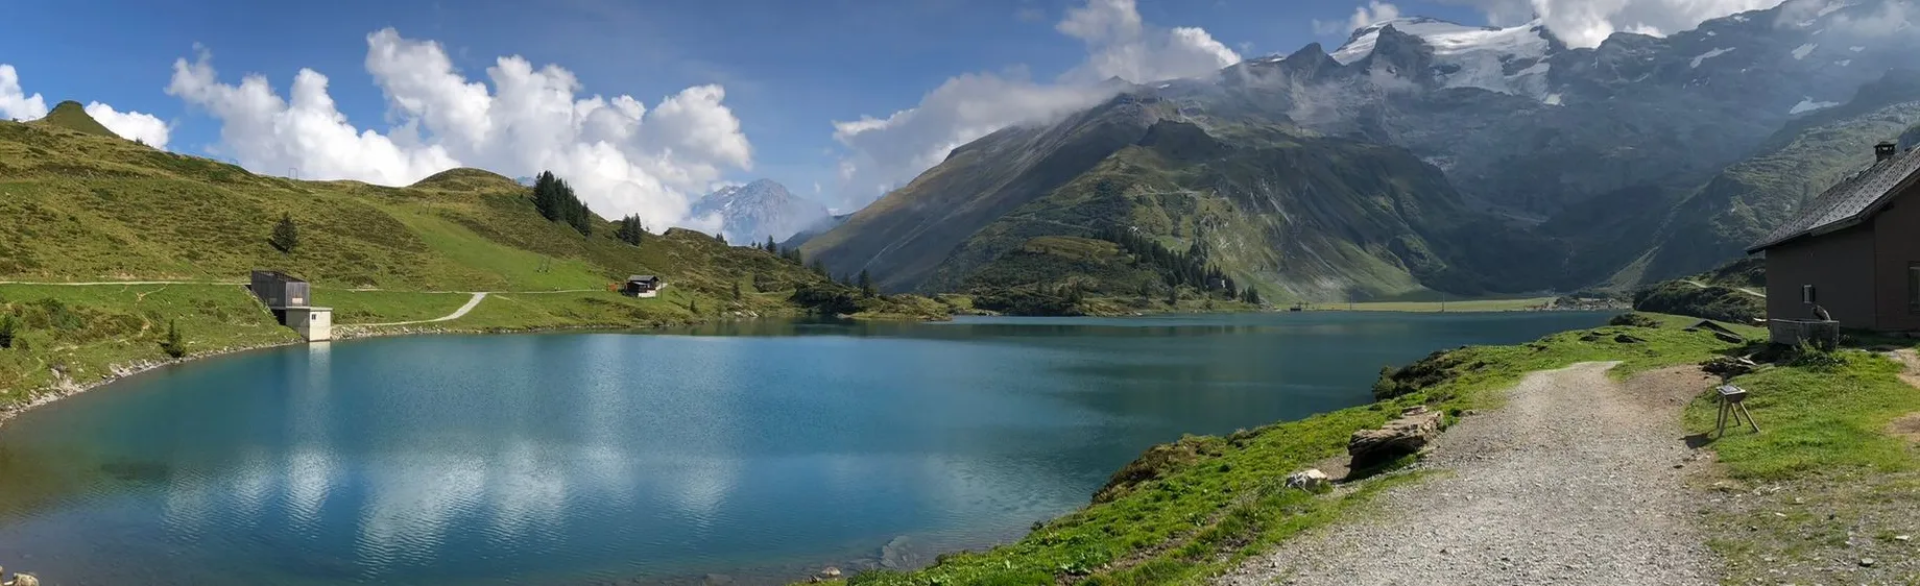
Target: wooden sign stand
column 1733, row 406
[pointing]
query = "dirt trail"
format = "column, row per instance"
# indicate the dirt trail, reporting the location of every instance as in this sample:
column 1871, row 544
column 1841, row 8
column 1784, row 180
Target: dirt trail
column 457, row 314
column 1573, row 482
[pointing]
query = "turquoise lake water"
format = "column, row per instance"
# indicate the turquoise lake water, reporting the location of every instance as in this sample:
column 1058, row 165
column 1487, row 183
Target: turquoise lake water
column 750, row 453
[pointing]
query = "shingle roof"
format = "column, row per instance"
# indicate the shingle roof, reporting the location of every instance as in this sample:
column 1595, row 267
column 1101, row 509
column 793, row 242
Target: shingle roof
column 1853, row 200
column 641, row 278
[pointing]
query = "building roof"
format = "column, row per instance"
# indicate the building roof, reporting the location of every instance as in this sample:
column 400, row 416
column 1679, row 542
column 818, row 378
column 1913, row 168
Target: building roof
column 1852, row 201
column 642, row 278
column 278, row 275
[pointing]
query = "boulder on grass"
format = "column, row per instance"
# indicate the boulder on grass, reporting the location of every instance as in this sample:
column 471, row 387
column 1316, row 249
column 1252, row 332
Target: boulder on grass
column 1398, row 438
column 1310, row 480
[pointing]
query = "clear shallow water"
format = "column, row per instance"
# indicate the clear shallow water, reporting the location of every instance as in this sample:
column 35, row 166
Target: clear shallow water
column 756, row 451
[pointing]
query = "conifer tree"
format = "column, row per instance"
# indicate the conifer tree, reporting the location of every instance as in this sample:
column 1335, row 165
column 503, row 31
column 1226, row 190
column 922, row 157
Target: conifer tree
column 630, row 230
column 285, row 234
column 772, row 246
column 173, row 346
column 7, row 331
column 866, row 284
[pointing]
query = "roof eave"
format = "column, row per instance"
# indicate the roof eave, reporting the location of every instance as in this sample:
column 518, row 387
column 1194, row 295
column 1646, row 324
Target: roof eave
column 1879, row 204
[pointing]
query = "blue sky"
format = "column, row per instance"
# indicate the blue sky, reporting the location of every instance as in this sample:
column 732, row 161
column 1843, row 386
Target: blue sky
column 789, row 69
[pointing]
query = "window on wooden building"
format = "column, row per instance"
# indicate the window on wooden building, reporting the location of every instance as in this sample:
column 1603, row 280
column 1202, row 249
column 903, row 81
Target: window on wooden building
column 1913, row 287
column 1807, row 296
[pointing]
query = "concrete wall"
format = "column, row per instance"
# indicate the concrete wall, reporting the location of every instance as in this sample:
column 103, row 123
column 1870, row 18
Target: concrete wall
column 1896, row 233
column 313, row 323
column 1840, row 266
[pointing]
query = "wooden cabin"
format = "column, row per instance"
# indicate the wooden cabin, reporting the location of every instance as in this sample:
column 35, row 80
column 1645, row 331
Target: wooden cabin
column 642, row 286
column 1854, row 251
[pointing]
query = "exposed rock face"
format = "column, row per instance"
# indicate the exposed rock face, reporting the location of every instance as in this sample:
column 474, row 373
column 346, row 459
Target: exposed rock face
column 18, row 579
column 1310, row 480
column 1401, row 437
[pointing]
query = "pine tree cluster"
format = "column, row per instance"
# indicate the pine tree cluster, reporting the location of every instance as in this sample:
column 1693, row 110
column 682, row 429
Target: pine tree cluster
column 1192, row 268
column 557, row 203
column 630, row 230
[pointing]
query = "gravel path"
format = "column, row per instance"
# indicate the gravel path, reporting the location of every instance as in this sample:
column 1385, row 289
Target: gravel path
column 1573, row 482
column 457, row 314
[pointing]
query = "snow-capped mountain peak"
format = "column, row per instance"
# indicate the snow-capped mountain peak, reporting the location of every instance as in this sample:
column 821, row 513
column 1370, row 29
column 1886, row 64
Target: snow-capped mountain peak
column 1511, row 60
column 758, row 210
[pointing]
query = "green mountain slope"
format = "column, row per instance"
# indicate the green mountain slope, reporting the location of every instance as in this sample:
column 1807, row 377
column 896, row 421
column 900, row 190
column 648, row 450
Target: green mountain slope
column 1740, row 205
column 86, row 207
column 91, row 208
column 72, row 116
column 1290, row 214
column 903, row 238
column 1734, row 292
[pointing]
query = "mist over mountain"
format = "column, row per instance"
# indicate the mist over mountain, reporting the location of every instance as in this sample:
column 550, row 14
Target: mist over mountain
column 1422, row 155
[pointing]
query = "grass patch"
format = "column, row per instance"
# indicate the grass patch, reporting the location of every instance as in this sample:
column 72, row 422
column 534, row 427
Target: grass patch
column 1825, row 486
column 79, row 334
column 1191, row 509
column 1817, row 418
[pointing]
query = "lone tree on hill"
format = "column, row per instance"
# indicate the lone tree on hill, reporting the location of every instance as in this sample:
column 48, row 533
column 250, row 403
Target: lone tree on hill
column 285, row 234
column 173, row 346
column 630, row 230
column 866, row 284
column 736, row 290
column 7, row 332
column 771, row 246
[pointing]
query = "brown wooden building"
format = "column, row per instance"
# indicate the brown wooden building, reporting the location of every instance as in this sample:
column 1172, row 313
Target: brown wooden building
column 1854, row 251
column 642, row 286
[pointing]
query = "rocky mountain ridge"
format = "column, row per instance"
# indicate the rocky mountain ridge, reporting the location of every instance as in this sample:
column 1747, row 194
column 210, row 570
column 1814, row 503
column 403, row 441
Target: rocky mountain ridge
column 1571, row 165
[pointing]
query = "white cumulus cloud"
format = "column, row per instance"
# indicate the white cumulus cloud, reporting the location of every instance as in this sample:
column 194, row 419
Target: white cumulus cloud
column 1364, row 16
column 885, row 153
column 621, row 156
column 1585, row 23
column 15, row 104
column 145, row 128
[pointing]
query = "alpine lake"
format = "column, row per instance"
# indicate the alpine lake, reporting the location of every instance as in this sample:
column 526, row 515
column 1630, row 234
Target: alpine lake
column 748, row 453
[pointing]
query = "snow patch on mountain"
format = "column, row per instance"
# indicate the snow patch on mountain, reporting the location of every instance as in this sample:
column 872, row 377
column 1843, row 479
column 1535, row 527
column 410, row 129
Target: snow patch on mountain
column 1808, row 105
column 1709, row 55
column 1804, row 51
column 1505, row 60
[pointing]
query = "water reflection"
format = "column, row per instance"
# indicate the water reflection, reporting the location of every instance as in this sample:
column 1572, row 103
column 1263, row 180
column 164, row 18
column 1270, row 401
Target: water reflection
column 748, row 449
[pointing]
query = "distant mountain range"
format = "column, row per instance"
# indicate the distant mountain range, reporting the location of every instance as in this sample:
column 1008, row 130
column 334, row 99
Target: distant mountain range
column 759, row 210
column 1421, row 155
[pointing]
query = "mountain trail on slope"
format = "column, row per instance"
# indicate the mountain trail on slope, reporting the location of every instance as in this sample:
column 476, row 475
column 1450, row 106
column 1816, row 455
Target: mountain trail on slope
column 1573, row 482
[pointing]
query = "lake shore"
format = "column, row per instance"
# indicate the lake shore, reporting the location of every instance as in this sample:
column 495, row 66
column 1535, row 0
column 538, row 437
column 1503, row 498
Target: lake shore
column 1188, row 511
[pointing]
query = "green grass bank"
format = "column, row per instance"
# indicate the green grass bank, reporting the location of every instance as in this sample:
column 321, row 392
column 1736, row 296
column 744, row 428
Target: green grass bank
column 1188, row 510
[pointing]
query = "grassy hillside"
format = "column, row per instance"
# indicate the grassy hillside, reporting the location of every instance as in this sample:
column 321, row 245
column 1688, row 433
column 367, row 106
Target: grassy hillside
column 97, row 208
column 1734, row 292
column 86, row 206
column 1292, row 215
column 71, row 115
column 1740, row 205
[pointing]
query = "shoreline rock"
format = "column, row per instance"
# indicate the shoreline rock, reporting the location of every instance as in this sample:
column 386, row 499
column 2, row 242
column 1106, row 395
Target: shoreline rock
column 1408, row 435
